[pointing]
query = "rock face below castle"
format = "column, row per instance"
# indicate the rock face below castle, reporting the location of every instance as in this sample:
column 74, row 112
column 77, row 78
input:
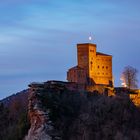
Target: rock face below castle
column 39, row 119
column 57, row 112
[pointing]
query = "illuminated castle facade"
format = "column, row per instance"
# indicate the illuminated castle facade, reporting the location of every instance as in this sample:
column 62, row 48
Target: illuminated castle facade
column 94, row 68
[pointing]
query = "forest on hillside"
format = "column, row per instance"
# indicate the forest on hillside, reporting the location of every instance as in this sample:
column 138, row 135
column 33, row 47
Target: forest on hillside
column 76, row 116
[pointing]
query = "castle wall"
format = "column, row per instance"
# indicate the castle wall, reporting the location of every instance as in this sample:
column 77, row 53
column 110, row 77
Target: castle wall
column 103, row 70
column 77, row 75
column 92, row 60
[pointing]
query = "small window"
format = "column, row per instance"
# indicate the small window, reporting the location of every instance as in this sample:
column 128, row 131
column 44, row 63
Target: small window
column 91, row 50
column 106, row 67
column 102, row 67
column 98, row 67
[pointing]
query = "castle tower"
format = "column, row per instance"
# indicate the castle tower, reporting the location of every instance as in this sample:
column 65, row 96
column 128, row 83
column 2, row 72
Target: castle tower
column 86, row 56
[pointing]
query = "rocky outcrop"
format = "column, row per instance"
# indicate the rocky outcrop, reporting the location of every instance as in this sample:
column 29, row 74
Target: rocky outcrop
column 58, row 112
column 135, row 98
column 41, row 126
column 61, row 111
column 133, row 94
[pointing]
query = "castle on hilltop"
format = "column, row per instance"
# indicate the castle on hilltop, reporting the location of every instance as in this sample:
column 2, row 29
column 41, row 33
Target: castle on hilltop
column 94, row 68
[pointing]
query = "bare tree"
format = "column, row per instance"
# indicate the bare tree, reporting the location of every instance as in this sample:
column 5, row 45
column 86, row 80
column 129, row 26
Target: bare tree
column 129, row 77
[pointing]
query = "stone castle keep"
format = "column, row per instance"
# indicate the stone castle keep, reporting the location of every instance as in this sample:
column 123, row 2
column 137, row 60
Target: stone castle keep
column 94, row 68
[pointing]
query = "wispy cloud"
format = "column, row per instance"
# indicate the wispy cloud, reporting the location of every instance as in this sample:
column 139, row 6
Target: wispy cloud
column 38, row 37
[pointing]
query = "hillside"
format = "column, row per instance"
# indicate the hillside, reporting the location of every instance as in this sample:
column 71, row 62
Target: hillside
column 14, row 124
column 58, row 112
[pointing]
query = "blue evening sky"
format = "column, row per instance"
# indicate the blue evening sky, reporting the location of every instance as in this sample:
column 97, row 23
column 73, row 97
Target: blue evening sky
column 38, row 37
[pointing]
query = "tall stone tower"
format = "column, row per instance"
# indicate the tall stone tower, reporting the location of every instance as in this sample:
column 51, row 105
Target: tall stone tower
column 86, row 53
column 95, row 67
column 86, row 56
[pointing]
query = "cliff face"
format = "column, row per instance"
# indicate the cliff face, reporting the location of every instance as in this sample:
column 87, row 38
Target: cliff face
column 58, row 113
column 41, row 126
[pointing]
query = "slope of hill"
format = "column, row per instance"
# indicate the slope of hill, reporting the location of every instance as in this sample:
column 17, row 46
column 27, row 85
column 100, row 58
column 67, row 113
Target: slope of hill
column 13, row 116
column 57, row 112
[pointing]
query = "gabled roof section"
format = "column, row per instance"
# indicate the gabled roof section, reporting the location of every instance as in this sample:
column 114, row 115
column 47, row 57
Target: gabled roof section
column 76, row 67
column 99, row 53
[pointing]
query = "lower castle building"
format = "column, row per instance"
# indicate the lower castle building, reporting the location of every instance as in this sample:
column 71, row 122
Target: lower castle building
column 93, row 68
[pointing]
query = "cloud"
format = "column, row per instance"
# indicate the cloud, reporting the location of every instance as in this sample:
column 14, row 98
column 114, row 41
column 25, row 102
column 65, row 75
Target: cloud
column 38, row 37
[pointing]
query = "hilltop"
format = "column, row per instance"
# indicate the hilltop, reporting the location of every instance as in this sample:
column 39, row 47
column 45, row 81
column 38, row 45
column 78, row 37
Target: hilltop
column 56, row 111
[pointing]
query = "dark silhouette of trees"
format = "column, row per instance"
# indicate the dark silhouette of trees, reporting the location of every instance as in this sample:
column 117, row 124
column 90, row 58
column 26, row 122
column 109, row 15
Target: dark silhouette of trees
column 129, row 77
column 91, row 116
column 14, row 123
column 4, row 121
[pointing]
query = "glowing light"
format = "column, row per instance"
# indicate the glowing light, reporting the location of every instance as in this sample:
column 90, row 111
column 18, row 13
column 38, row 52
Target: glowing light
column 90, row 38
column 123, row 82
